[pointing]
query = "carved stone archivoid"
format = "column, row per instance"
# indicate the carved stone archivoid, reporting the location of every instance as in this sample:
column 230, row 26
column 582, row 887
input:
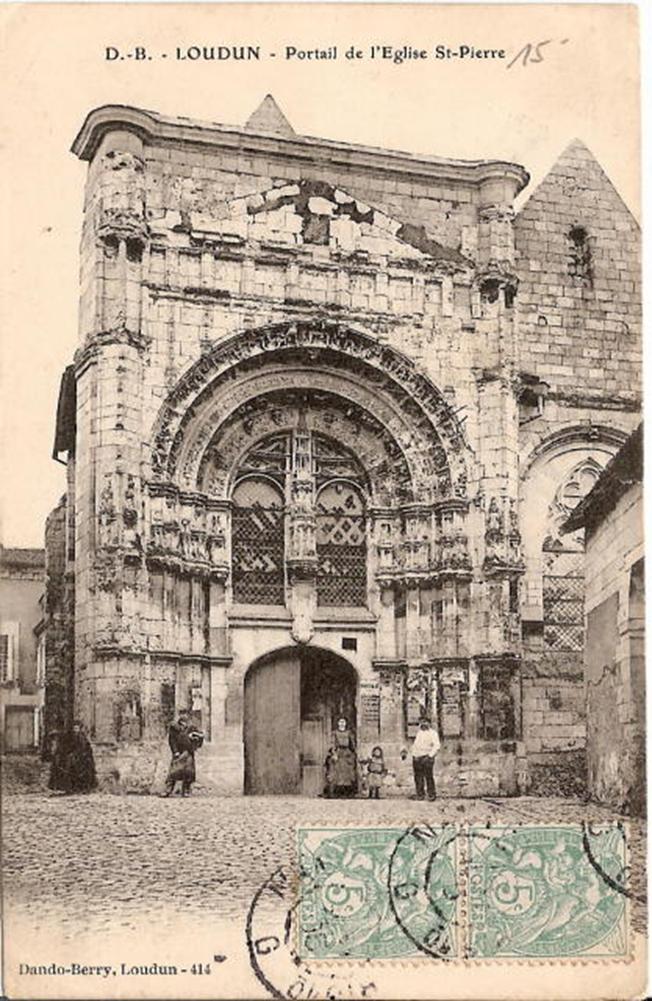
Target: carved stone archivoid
column 417, row 414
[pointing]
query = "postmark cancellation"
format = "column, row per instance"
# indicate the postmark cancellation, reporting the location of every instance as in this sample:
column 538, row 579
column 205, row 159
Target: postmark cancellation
column 464, row 893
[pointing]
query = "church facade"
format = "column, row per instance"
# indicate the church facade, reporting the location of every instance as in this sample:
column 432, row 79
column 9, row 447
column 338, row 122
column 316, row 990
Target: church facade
column 330, row 408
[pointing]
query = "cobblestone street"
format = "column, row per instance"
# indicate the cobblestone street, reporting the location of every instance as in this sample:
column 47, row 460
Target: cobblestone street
column 142, row 879
column 112, row 858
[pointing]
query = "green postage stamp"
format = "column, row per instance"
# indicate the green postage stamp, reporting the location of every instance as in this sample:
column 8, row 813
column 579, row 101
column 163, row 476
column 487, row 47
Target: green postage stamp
column 455, row 892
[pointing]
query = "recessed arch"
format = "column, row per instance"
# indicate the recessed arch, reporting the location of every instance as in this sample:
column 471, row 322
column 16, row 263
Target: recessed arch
column 375, row 376
column 572, row 437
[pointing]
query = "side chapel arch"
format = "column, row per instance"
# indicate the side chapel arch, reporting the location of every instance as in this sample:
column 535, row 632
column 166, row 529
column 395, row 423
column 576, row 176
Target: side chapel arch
column 556, row 473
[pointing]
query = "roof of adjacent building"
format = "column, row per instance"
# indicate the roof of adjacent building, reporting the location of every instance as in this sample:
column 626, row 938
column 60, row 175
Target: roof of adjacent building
column 22, row 558
column 265, row 129
column 622, row 472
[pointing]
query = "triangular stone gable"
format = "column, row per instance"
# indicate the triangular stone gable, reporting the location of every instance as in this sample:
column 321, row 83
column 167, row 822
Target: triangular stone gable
column 579, row 296
column 577, row 181
column 269, row 118
column 321, row 214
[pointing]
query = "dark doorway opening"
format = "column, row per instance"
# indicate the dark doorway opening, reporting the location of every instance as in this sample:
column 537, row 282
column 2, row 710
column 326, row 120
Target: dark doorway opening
column 292, row 702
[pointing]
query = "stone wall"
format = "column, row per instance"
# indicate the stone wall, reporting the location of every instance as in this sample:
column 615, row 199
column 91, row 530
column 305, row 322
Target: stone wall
column 578, row 259
column 615, row 665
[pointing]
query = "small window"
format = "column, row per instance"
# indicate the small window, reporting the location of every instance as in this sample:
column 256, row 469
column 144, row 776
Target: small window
column 4, row 657
column 580, row 265
column 8, row 644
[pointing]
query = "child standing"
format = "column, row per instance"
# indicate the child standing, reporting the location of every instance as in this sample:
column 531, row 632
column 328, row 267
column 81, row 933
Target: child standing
column 376, row 771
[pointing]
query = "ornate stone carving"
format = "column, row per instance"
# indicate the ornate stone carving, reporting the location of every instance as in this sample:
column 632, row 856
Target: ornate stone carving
column 187, row 533
column 570, row 492
column 502, row 537
column 121, row 205
column 107, row 515
column 394, row 378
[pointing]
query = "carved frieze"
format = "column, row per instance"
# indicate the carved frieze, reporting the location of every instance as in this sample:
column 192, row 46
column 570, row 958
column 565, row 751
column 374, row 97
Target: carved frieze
column 187, row 534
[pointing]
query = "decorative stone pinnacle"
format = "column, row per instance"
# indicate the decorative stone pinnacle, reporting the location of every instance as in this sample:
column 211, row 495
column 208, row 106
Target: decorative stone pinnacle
column 268, row 117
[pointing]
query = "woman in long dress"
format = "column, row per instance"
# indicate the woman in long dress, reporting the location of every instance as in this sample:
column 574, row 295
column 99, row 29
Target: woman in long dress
column 73, row 767
column 341, row 765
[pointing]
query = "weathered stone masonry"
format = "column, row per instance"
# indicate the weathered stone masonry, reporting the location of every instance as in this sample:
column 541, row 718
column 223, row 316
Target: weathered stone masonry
column 322, row 404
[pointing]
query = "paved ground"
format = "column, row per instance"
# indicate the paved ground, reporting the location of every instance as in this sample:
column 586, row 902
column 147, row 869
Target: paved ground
column 104, row 859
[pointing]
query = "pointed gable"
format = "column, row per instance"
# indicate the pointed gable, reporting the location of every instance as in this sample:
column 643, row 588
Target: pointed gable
column 577, row 175
column 579, row 298
column 269, row 118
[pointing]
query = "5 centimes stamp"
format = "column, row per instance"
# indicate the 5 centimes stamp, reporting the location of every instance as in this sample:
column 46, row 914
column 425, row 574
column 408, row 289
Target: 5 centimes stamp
column 548, row 892
column 374, row 894
column 271, row 937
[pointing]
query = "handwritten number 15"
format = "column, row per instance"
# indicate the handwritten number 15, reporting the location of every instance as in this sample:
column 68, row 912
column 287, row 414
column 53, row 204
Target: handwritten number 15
column 532, row 53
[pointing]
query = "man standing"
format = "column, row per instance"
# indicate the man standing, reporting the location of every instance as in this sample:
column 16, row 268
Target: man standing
column 425, row 747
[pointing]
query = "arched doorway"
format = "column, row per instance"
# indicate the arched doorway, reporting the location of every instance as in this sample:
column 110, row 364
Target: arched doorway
column 292, row 701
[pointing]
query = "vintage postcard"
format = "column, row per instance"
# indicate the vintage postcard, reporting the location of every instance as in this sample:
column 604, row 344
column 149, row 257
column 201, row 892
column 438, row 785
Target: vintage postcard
column 322, row 579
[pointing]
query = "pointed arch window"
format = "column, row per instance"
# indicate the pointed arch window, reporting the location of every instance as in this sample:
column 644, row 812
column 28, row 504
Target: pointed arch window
column 258, row 542
column 264, row 499
column 341, row 545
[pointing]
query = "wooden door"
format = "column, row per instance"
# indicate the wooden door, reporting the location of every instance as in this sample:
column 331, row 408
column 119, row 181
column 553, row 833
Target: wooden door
column 272, row 726
column 314, row 747
column 19, row 728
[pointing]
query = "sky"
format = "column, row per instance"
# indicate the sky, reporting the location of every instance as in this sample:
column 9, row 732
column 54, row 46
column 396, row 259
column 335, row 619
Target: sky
column 55, row 70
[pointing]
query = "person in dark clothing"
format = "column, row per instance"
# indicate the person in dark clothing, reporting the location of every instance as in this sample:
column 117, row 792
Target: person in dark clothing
column 376, row 772
column 183, row 741
column 341, row 763
column 73, row 766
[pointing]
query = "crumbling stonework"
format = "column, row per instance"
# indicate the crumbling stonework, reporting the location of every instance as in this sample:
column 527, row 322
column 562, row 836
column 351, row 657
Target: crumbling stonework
column 308, row 418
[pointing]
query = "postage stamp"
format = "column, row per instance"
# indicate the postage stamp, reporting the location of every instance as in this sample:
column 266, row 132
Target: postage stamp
column 452, row 892
column 549, row 891
column 378, row 894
